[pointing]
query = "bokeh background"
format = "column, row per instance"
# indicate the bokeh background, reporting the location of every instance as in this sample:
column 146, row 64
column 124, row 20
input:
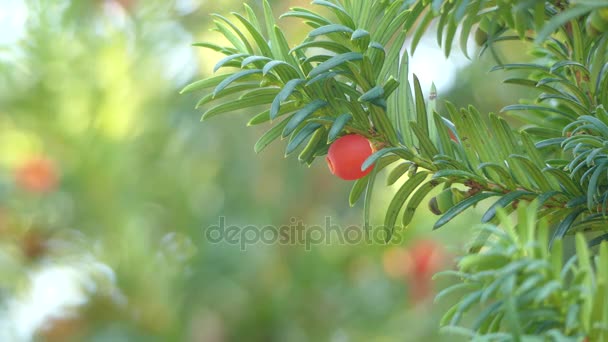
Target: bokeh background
column 109, row 183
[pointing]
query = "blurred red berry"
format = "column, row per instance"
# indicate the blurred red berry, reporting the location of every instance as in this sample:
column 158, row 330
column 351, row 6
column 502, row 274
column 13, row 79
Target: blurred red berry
column 427, row 257
column 416, row 265
column 347, row 154
column 37, row 175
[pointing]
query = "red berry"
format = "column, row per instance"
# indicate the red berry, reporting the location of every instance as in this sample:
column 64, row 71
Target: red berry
column 347, row 154
column 427, row 256
column 37, row 175
column 416, row 265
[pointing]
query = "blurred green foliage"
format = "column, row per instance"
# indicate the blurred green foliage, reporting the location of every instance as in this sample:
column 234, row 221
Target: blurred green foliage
column 92, row 88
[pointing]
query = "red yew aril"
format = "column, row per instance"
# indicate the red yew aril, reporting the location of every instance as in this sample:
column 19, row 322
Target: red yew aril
column 347, row 154
column 37, row 175
column 427, row 257
column 416, row 265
